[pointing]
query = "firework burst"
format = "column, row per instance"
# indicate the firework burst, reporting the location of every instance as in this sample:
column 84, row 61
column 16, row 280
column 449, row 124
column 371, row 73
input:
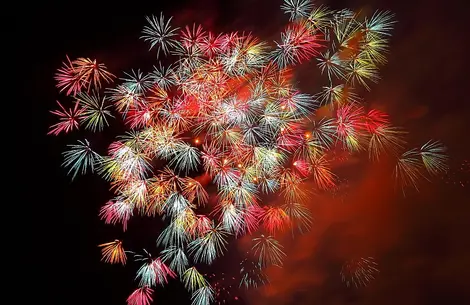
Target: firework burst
column 221, row 143
column 359, row 272
column 113, row 252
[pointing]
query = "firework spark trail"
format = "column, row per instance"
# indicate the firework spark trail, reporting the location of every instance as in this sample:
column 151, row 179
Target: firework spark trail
column 359, row 272
column 227, row 109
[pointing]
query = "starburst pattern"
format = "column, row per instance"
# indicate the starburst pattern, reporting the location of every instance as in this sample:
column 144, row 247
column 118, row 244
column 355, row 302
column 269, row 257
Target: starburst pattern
column 159, row 33
column 80, row 157
column 95, row 111
column 297, row 8
column 69, row 119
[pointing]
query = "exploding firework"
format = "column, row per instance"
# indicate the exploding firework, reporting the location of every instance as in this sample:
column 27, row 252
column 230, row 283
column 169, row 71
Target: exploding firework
column 359, row 272
column 227, row 109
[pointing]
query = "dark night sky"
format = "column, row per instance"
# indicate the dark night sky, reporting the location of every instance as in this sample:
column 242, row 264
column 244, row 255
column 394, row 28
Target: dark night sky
column 421, row 242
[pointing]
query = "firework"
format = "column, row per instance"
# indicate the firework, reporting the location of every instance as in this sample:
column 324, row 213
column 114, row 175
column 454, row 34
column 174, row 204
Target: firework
column 141, row 296
column 434, row 157
column 95, row 111
column 159, row 33
column 92, row 72
column 252, row 274
column 221, row 142
column 82, row 73
column 177, row 258
column 268, row 250
column 69, row 119
column 113, row 252
column 208, row 247
column 80, row 157
column 359, row 272
column 193, row 280
column 414, row 164
column 153, row 271
column 408, row 169
column 202, row 296
column 299, row 215
column 297, row 8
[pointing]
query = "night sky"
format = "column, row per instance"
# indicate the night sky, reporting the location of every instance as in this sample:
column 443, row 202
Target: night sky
column 420, row 242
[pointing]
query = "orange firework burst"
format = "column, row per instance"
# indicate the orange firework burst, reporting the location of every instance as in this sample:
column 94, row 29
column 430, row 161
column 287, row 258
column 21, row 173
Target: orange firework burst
column 113, row 252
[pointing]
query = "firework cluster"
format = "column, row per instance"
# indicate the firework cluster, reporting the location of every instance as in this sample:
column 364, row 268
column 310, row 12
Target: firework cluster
column 222, row 144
